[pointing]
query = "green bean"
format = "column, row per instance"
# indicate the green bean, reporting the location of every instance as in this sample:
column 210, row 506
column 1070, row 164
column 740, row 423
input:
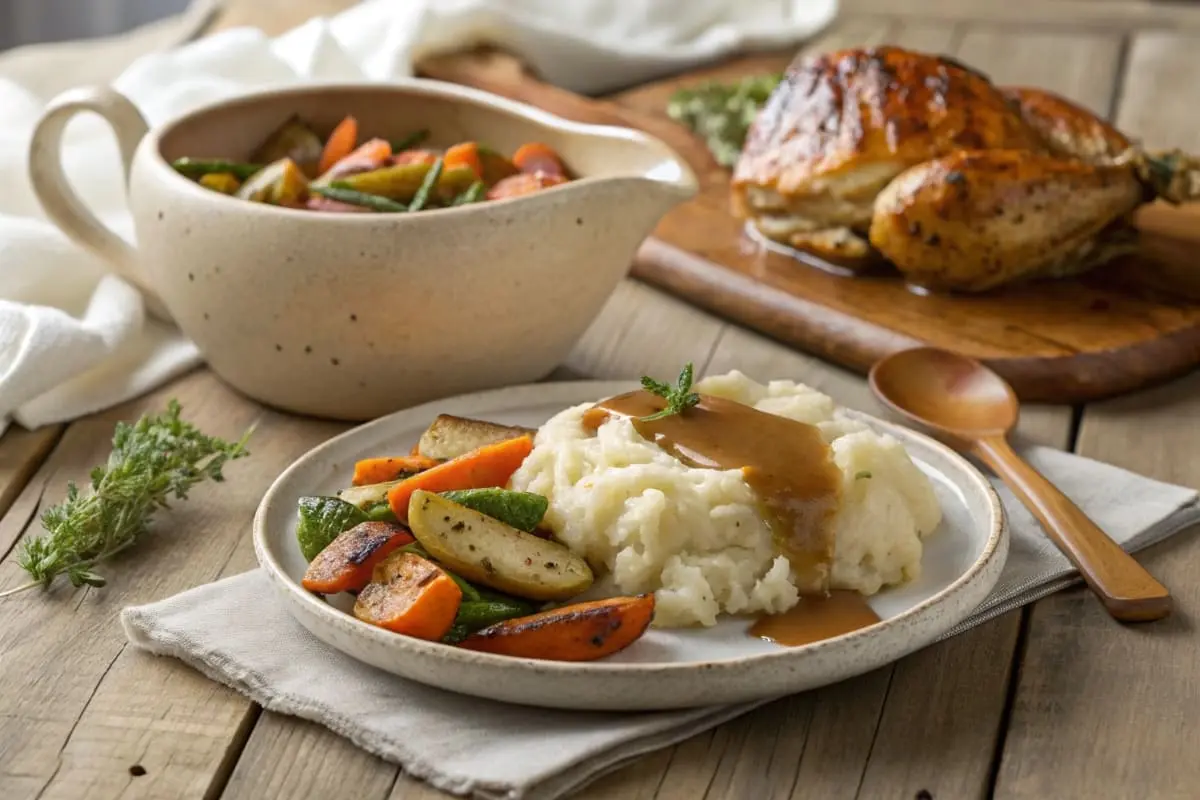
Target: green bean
column 355, row 198
column 197, row 168
column 456, row 634
column 427, row 186
column 381, row 512
column 410, row 141
column 473, row 194
column 469, row 592
column 477, row 615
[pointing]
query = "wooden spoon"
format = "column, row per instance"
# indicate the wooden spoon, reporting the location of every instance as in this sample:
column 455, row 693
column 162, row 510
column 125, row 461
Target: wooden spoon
column 973, row 409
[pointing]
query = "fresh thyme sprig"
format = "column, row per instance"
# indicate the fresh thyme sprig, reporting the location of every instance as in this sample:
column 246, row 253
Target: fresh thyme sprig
column 155, row 459
column 679, row 397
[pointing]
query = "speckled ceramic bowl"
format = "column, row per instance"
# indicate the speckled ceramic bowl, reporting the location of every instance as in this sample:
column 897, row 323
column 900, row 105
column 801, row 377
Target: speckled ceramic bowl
column 355, row 315
column 666, row 668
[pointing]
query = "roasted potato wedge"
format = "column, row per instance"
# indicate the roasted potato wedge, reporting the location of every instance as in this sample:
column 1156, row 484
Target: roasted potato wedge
column 449, row 437
column 488, row 552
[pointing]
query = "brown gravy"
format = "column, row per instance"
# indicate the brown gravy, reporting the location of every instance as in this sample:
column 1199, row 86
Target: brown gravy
column 816, row 618
column 787, row 464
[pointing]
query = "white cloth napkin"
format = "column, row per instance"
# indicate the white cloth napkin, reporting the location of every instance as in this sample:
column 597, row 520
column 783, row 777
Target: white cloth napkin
column 74, row 340
column 517, row 753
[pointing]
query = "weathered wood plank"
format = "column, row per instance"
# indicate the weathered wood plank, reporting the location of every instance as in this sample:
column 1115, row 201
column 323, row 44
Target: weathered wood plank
column 22, row 452
column 1101, row 709
column 81, row 709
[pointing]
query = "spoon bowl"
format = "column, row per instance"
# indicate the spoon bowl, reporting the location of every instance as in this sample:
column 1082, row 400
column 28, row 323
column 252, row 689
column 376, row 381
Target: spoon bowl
column 973, row 409
column 945, row 391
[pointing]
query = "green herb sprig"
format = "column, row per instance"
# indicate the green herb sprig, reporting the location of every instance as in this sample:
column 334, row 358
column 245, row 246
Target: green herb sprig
column 153, row 460
column 679, row 397
column 721, row 113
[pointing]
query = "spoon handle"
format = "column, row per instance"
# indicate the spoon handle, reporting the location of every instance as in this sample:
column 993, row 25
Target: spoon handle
column 1128, row 591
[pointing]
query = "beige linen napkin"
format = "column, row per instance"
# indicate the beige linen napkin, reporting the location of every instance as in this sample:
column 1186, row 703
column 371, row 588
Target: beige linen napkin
column 492, row 750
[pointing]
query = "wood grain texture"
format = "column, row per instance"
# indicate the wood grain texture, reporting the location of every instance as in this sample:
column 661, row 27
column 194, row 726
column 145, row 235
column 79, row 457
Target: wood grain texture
column 1103, row 710
column 1118, row 328
column 81, row 708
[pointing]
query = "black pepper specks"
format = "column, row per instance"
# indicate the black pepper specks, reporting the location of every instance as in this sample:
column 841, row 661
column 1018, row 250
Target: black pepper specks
column 278, row 348
column 334, row 361
column 579, row 220
column 137, row 770
column 354, row 317
column 458, row 526
column 934, row 240
column 597, row 641
column 308, row 348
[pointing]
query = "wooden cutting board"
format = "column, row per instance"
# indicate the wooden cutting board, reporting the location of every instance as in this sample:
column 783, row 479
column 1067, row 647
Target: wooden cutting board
column 1129, row 324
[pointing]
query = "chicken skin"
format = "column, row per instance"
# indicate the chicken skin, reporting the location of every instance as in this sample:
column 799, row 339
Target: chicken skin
column 886, row 154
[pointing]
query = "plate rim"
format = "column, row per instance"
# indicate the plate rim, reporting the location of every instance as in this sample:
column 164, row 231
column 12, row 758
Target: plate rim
column 603, row 388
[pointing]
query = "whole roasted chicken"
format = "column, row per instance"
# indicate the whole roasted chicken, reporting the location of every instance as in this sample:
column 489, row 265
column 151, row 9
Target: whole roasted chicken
column 914, row 158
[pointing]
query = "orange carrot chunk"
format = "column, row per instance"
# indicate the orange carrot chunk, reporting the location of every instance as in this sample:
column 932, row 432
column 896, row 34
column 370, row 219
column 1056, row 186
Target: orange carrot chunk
column 579, row 632
column 466, row 155
column 339, row 144
column 346, row 564
column 535, row 157
column 488, row 467
column 380, row 470
column 410, row 595
column 374, row 152
column 522, row 184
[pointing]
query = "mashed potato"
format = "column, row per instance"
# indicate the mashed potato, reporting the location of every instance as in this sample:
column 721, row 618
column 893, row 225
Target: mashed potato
column 695, row 536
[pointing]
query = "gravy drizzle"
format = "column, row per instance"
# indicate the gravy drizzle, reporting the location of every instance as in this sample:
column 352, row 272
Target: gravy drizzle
column 787, row 464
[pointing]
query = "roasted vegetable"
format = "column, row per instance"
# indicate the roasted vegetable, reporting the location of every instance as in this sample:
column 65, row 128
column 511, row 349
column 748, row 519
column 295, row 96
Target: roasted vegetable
column 477, row 192
column 523, row 184
column 402, row 182
column 495, row 166
column 339, row 193
column 464, row 155
column 380, row 512
column 295, row 140
column 341, row 143
column 381, row 470
column 476, row 615
column 489, row 553
column 280, row 183
column 346, row 564
column 489, row 466
column 579, row 632
column 410, row 595
column 426, row 192
column 223, row 182
column 537, row 158
column 198, row 168
column 366, row 496
column 449, row 437
column 323, row 519
column 522, row 510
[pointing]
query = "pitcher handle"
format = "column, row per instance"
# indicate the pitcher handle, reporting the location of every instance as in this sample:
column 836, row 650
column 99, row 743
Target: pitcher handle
column 60, row 202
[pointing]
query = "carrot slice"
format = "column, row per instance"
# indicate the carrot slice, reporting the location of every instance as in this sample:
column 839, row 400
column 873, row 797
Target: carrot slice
column 339, row 144
column 488, row 467
column 579, row 632
column 535, row 157
column 410, row 595
column 346, row 564
column 465, row 154
column 382, row 470
column 374, row 152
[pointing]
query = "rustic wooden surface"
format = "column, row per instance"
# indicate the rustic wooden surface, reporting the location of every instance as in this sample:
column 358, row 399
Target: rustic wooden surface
column 1121, row 327
column 1055, row 701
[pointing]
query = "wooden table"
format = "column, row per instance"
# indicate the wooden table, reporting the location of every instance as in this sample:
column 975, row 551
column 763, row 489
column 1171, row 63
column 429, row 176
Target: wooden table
column 1053, row 701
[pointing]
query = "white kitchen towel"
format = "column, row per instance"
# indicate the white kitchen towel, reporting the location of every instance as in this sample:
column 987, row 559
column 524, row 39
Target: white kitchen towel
column 74, row 340
column 508, row 752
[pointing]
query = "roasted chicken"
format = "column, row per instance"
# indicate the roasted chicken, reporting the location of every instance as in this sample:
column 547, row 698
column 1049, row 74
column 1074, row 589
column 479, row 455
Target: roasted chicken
column 878, row 154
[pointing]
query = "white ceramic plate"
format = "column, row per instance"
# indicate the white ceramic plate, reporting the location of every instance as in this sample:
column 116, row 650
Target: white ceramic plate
column 665, row 668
